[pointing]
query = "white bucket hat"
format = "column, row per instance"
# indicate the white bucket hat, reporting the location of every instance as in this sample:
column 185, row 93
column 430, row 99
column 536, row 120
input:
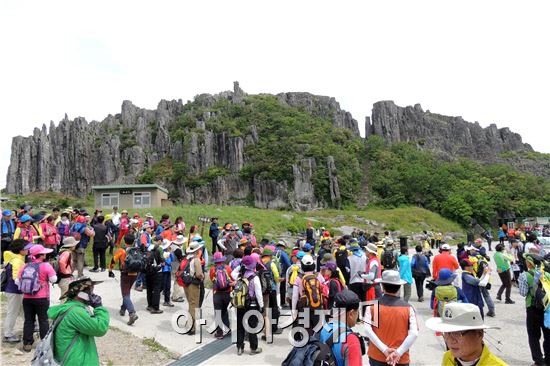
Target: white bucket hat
column 372, row 248
column 193, row 247
column 165, row 244
column 180, row 240
column 445, row 247
column 390, row 277
column 458, row 317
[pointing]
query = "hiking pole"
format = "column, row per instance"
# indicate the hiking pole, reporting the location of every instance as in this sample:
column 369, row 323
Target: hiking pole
column 495, row 340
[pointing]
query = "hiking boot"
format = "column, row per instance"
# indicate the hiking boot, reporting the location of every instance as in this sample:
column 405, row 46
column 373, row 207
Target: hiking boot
column 256, row 351
column 133, row 318
column 499, row 298
column 491, row 313
column 122, row 312
column 263, row 338
column 509, row 301
column 421, row 299
column 219, row 334
column 12, row 339
column 179, row 299
column 149, row 308
column 102, row 269
column 169, row 304
column 240, row 351
column 94, row 270
column 157, row 311
column 139, row 288
column 27, row 347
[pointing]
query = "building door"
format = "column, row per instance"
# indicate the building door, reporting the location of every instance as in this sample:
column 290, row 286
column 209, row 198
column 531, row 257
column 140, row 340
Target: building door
column 142, row 199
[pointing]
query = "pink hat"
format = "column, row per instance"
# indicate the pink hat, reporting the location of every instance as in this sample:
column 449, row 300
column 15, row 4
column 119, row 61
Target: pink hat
column 39, row 249
column 258, row 259
column 249, row 262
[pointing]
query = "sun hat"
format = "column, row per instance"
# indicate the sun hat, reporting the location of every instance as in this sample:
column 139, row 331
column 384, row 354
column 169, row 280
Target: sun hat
column 445, row 277
column 372, row 248
column 307, row 260
column 267, row 252
column 327, row 257
column 295, row 253
column 165, row 244
column 124, row 211
column 38, row 249
column 281, row 243
column 69, row 242
column 108, row 217
column 390, row 277
column 330, row 266
column 243, row 241
column 300, row 255
column 136, row 214
column 234, row 227
column 249, row 262
column 180, row 240
column 148, row 214
column 218, row 257
column 79, row 285
column 445, row 247
column 6, row 213
column 28, row 246
column 194, row 246
column 458, row 317
column 25, row 218
column 380, row 243
column 38, row 217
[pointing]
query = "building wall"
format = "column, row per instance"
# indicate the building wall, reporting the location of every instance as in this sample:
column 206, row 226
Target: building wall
column 127, row 200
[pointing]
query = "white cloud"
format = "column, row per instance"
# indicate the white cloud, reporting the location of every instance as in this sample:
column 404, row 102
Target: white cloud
column 486, row 61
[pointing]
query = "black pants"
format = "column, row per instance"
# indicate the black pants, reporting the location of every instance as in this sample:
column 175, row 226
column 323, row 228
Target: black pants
column 360, row 290
column 166, row 285
column 506, row 284
column 419, row 282
column 214, row 245
column 282, row 292
column 252, row 322
column 535, row 325
column 154, row 282
column 33, row 308
column 274, row 309
column 501, row 241
column 489, row 241
column 99, row 257
column 221, row 302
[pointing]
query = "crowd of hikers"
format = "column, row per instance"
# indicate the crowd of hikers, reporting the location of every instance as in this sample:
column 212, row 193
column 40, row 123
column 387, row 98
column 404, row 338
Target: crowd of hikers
column 329, row 285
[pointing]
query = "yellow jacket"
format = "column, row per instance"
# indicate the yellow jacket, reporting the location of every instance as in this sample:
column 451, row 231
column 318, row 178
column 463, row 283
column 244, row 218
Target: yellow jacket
column 486, row 359
column 17, row 262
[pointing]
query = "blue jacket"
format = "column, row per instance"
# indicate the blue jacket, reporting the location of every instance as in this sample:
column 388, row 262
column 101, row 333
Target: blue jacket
column 84, row 239
column 424, row 266
column 285, row 261
column 214, row 231
column 470, row 287
column 168, row 263
column 8, row 228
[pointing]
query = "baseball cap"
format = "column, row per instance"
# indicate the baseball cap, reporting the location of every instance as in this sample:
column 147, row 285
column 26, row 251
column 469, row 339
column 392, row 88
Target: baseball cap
column 346, row 299
column 307, row 260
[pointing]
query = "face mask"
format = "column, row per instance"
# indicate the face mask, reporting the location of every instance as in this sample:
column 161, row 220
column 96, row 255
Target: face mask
column 84, row 296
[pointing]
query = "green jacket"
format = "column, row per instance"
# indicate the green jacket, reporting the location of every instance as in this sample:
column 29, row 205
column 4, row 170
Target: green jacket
column 502, row 260
column 78, row 321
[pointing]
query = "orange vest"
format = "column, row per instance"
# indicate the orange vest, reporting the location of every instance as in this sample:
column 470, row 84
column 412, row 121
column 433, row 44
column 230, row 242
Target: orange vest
column 393, row 326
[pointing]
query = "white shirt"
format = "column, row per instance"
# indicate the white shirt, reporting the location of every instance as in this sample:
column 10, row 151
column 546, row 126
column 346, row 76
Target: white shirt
column 115, row 218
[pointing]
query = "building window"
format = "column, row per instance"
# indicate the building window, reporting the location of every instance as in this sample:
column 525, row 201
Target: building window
column 142, row 200
column 108, row 200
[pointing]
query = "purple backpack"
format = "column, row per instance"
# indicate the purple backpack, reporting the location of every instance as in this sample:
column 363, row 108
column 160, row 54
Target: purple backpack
column 221, row 281
column 29, row 283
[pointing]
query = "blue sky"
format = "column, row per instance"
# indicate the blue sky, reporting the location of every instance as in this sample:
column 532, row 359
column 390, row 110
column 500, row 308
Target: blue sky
column 485, row 61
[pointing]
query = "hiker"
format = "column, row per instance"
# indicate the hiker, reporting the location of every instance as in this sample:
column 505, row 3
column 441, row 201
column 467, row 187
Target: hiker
column 220, row 275
column 56, row 218
column 438, row 239
column 445, row 292
column 123, row 227
column 192, row 291
column 333, row 285
column 32, row 281
column 405, row 272
column 518, row 264
column 502, row 261
column 310, row 236
column 284, row 261
column 501, row 235
column 66, row 264
column 247, row 232
column 7, row 226
column 471, row 284
column 293, row 273
column 271, row 303
column 127, row 278
column 324, row 249
column 77, row 326
column 307, row 294
column 166, row 281
column 530, row 287
column 153, row 275
column 329, row 258
column 463, row 331
column 444, row 260
column 86, row 233
column 389, row 255
column 358, row 266
column 349, row 348
column 36, row 223
column 420, row 270
column 177, row 290
column 14, row 260
column 145, row 242
column 64, row 226
column 25, row 231
column 213, row 233
column 100, row 244
column 180, row 225
column 391, row 340
column 98, row 212
column 247, row 273
column 374, row 271
column 480, row 259
column 489, row 237
column 115, row 218
column 51, row 237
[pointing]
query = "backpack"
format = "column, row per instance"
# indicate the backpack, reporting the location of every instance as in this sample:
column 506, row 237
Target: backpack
column 444, row 295
column 44, row 353
column 221, row 279
column 539, row 295
column 341, row 258
column 266, row 279
column 314, row 353
column 4, row 277
column 294, row 274
column 240, row 296
column 76, row 232
column 388, row 259
column 312, row 297
column 134, row 261
column 29, row 283
column 417, row 270
column 276, row 260
column 183, row 275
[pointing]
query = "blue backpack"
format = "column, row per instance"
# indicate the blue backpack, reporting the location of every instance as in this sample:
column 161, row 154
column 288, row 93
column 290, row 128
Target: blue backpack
column 29, row 283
